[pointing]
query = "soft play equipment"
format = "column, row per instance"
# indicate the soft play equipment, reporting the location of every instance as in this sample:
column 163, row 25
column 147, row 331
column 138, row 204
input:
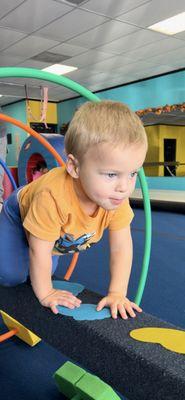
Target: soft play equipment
column 33, row 133
column 8, row 185
column 171, row 339
column 85, row 311
column 17, row 329
column 136, row 369
column 77, row 384
column 8, row 175
column 33, row 152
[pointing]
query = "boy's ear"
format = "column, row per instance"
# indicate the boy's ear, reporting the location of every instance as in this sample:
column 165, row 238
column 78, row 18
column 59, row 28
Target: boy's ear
column 72, row 166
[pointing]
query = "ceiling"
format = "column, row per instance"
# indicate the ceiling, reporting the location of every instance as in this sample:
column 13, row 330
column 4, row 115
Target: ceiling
column 107, row 40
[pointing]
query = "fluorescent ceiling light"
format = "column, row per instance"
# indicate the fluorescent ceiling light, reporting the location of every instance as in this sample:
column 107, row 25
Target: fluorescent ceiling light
column 1, row 95
column 59, row 69
column 171, row 25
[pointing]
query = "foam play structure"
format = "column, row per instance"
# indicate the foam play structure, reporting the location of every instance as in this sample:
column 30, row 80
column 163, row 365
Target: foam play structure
column 33, row 151
column 17, row 329
column 139, row 370
column 9, row 182
column 77, row 384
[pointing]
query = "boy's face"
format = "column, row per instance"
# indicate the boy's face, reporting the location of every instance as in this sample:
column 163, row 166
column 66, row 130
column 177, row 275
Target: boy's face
column 106, row 176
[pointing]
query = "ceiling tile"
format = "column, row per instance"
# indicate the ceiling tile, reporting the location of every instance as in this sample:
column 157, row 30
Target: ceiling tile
column 8, row 37
column 79, row 74
column 130, row 72
column 133, row 41
column 58, row 89
column 34, row 92
column 37, row 14
column 152, row 72
column 17, row 87
column 152, row 12
column 103, row 34
column 9, row 99
column 180, row 35
column 109, row 64
column 68, row 49
column 61, row 93
column 150, row 50
column 134, row 66
column 108, row 52
column 30, row 46
column 12, row 90
column 33, row 64
column 88, row 58
column 112, row 8
column 65, row 96
column 10, row 61
column 14, row 81
column 177, row 64
column 95, row 79
column 111, row 83
column 7, row 6
column 72, row 24
column 170, row 57
column 38, row 82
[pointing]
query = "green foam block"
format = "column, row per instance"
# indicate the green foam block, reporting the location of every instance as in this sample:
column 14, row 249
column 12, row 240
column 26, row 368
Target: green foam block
column 66, row 378
column 90, row 387
column 77, row 384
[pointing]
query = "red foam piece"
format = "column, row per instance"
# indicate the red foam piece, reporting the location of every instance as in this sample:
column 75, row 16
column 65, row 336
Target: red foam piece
column 7, row 186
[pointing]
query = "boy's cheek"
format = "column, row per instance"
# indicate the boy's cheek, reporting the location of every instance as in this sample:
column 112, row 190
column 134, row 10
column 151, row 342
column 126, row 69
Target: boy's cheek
column 132, row 187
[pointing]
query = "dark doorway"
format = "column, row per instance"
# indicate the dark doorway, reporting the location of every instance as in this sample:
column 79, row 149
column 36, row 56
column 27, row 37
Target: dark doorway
column 170, row 156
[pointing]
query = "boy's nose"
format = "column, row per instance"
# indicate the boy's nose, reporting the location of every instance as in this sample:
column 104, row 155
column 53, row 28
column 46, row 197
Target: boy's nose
column 122, row 186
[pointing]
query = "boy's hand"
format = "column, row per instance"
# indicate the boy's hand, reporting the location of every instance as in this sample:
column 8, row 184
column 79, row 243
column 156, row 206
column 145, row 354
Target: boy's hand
column 60, row 298
column 118, row 303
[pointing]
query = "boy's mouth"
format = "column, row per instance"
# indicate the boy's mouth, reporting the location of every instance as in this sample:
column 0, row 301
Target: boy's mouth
column 116, row 201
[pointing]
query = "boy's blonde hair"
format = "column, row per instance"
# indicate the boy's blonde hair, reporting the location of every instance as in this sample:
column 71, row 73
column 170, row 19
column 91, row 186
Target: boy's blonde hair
column 103, row 122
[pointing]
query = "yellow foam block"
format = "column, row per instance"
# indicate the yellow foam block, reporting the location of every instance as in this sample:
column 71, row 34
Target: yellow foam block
column 171, row 339
column 23, row 333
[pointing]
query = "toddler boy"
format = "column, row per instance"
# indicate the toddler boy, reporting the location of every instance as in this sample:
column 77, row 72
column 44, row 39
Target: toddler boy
column 68, row 209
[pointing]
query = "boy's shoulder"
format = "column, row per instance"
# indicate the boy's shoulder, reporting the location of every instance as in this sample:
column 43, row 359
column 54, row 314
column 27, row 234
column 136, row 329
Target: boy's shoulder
column 54, row 177
column 54, row 182
column 50, row 192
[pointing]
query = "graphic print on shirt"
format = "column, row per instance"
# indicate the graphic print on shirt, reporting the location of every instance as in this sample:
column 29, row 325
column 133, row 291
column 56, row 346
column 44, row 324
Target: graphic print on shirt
column 68, row 244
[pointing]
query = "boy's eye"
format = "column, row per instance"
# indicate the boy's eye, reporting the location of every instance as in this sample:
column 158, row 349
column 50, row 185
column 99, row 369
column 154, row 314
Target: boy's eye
column 133, row 174
column 111, row 175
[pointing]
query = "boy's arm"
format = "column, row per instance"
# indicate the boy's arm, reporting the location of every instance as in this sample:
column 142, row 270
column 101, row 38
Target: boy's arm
column 40, row 252
column 121, row 252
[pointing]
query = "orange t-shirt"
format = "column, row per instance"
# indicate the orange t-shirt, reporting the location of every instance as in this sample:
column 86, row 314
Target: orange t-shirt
column 50, row 210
